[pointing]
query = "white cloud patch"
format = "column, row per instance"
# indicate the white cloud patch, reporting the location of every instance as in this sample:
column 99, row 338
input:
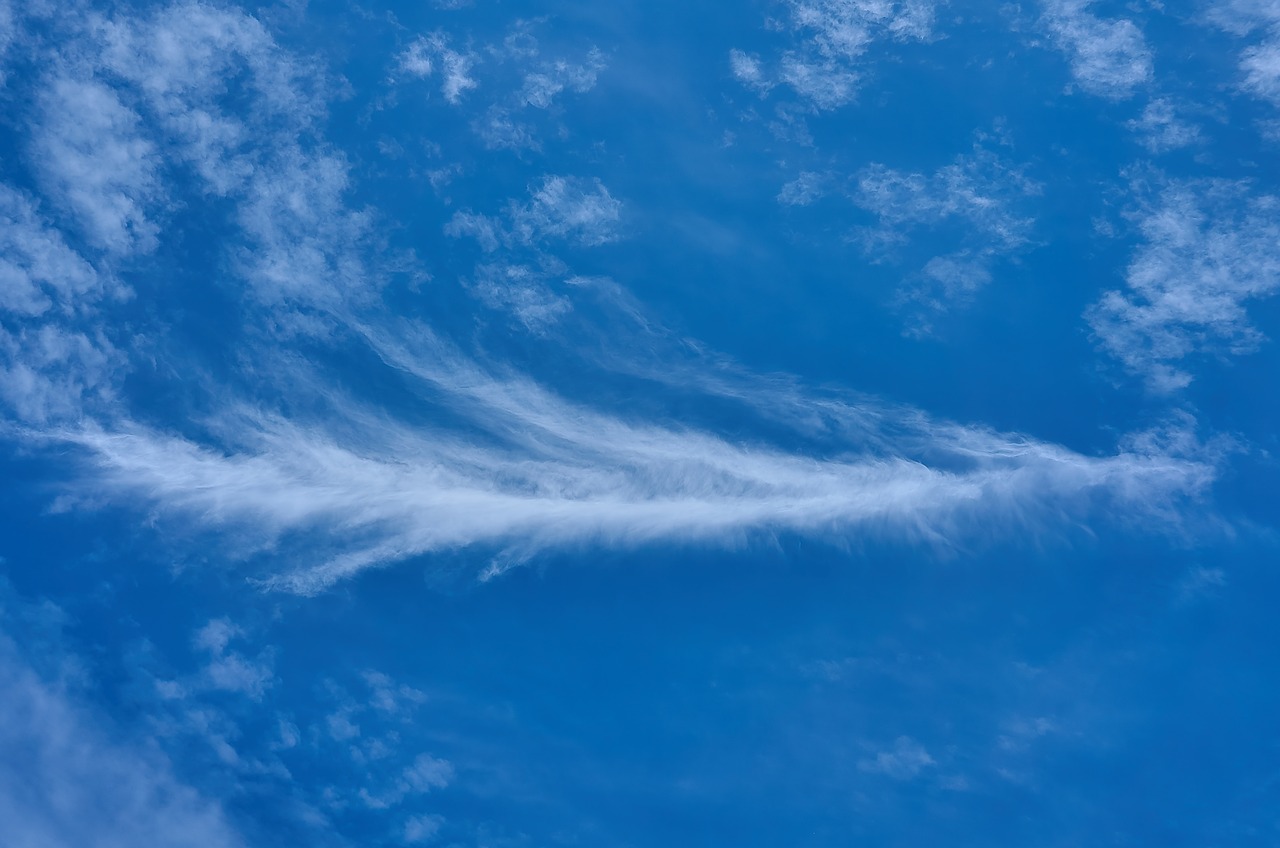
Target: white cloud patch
column 1161, row 129
column 420, row 829
column 182, row 61
column 521, row 291
column 231, row 671
column 979, row 194
column 1109, row 57
column 431, row 55
column 576, row 210
column 539, row 472
column 94, row 160
column 67, row 782
column 1261, row 68
column 1260, row 62
column 1209, row 248
column 543, row 85
column 560, row 210
column 38, row 270
column 829, row 40
column 519, row 80
column 905, row 761
column 571, row 209
column 746, row 69
column 803, row 190
column 51, row 372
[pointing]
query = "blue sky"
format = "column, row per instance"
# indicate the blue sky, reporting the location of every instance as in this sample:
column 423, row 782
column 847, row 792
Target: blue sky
column 806, row 423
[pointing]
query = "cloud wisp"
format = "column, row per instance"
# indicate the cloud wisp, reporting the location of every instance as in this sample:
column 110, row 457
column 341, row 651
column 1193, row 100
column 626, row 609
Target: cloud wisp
column 534, row 472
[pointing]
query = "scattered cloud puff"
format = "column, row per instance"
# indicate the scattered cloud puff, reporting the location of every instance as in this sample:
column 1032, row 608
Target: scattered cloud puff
column 979, row 195
column 573, row 209
column 540, row 82
column 422, row 829
column 431, row 54
column 830, row 38
column 1109, row 57
column 803, row 190
column 421, row 776
column 521, row 291
column 1261, row 68
column 1209, row 248
column 1160, row 129
column 542, row 85
column 1259, row 63
column 561, row 209
column 905, row 761
column 230, row 670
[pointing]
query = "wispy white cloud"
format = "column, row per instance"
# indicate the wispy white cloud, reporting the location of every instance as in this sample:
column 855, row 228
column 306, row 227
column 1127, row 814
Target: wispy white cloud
column 803, row 190
column 1160, row 128
column 829, row 40
column 1209, row 248
column 572, row 209
column 187, row 62
column 231, row 671
column 521, row 291
column 1261, row 68
column 560, row 210
column 543, row 84
column 420, row 829
column 540, row 84
column 549, row 473
column 1260, row 62
column 979, row 191
column 1109, row 56
column 431, row 54
column 747, row 69
column 906, row 760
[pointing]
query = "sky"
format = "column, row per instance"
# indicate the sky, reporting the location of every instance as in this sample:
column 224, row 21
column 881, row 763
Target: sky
column 502, row 424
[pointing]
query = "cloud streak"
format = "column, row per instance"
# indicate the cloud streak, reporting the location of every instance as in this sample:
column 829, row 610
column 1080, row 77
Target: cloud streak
column 538, row 472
